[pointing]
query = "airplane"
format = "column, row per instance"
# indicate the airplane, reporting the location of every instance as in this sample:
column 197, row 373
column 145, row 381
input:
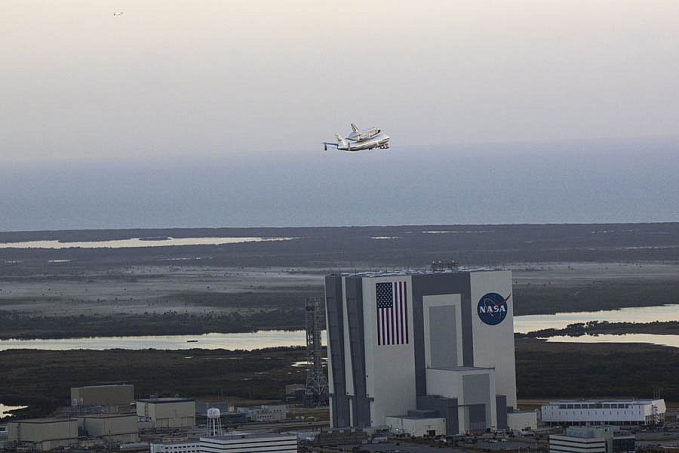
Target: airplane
column 360, row 140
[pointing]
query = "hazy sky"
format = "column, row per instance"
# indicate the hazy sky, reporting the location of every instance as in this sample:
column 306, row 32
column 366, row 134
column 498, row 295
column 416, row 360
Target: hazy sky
column 211, row 113
column 225, row 77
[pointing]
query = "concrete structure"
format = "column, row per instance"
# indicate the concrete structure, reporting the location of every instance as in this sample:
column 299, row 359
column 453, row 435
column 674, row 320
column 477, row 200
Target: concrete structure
column 44, row 433
column 603, row 439
column 604, row 412
column 522, row 420
column 103, row 395
column 167, row 412
column 249, row 443
column 418, row 424
column 184, row 446
column 111, row 427
column 440, row 341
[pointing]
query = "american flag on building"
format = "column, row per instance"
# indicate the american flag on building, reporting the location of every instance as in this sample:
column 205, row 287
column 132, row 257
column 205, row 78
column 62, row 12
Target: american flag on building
column 392, row 313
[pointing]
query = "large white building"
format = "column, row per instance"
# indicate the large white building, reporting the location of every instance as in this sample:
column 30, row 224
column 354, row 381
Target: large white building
column 431, row 341
column 604, row 412
column 249, row 443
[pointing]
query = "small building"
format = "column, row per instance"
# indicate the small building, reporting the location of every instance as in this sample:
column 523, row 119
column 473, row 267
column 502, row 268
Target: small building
column 418, row 423
column 265, row 413
column 292, row 388
column 43, row 434
column 184, row 446
column 522, row 420
column 249, row 443
column 604, row 412
column 111, row 427
column 167, row 412
column 227, row 413
column 103, row 395
column 603, row 439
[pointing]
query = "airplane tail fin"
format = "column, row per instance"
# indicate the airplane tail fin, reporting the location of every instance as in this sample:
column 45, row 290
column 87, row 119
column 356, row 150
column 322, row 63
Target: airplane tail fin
column 354, row 127
column 341, row 141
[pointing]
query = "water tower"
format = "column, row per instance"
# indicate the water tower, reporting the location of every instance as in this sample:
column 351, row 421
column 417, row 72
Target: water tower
column 214, row 422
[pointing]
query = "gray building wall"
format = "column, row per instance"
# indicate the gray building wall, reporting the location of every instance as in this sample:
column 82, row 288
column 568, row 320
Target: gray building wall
column 360, row 402
column 340, row 416
column 477, row 393
column 430, row 285
column 443, row 326
column 445, row 407
column 501, row 410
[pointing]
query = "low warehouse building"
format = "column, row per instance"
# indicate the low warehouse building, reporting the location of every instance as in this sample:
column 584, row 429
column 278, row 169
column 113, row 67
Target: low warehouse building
column 103, row 395
column 167, row 412
column 111, row 427
column 604, row 412
column 418, row 423
column 43, row 433
column 522, row 420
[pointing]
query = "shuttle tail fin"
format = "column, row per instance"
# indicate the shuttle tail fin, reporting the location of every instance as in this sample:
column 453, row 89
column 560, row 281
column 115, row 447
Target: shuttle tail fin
column 354, row 127
column 342, row 142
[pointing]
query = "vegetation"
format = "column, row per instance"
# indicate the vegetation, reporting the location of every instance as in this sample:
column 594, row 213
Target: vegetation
column 347, row 247
column 572, row 370
column 605, row 327
column 42, row 379
column 597, row 295
column 21, row 326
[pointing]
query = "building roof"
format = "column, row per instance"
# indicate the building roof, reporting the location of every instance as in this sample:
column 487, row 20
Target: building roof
column 44, row 420
column 103, row 386
column 406, row 272
column 596, row 401
column 129, row 414
column 235, row 435
column 461, row 368
column 166, row 400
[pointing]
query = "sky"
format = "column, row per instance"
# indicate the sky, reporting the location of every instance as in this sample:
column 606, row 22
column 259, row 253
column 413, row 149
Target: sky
column 172, row 91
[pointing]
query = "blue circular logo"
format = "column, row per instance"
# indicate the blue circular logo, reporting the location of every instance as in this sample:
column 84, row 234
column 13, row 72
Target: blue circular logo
column 493, row 308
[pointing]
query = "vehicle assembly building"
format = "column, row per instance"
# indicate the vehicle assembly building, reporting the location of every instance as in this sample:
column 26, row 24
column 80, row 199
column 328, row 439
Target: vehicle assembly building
column 424, row 350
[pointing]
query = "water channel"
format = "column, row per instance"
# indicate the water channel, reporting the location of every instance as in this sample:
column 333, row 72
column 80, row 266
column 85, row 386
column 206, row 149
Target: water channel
column 275, row 338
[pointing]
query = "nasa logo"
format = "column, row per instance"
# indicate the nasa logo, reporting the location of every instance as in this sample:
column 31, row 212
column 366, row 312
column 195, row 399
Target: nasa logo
column 493, row 308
